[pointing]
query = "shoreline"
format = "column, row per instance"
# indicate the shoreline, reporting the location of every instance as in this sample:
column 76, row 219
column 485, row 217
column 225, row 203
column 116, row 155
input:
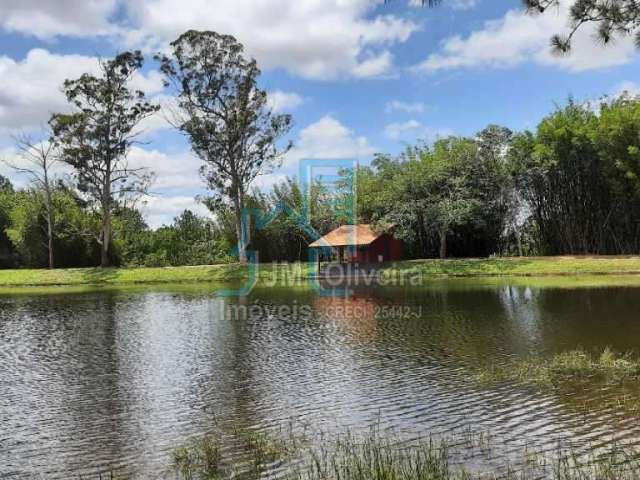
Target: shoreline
column 429, row 269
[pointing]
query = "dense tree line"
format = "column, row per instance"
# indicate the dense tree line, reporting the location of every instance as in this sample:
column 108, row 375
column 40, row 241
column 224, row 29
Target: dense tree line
column 571, row 186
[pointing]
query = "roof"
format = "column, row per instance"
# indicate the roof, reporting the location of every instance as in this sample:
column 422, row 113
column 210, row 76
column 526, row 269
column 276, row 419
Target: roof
column 345, row 235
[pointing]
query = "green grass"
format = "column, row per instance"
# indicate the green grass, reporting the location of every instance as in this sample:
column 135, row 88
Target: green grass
column 569, row 271
column 567, row 367
column 524, row 266
column 119, row 276
column 384, row 456
column 577, row 371
column 224, row 273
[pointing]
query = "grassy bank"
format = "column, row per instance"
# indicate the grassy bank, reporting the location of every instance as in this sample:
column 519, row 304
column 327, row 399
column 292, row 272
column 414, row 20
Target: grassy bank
column 123, row 276
column 524, row 266
column 229, row 273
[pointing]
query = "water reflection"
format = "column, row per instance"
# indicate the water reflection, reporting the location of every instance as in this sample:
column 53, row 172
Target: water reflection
column 91, row 382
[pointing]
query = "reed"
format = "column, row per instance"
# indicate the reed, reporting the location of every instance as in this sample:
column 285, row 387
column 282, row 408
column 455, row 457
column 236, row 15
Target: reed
column 383, row 456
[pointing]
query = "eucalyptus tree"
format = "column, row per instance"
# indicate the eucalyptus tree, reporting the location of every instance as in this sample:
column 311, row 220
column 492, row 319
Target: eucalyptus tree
column 225, row 116
column 96, row 137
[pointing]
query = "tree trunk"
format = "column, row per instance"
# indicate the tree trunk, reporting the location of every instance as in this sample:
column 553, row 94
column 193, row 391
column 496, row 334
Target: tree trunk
column 50, row 240
column 105, row 231
column 241, row 234
column 519, row 241
column 49, row 209
column 443, row 245
column 105, row 234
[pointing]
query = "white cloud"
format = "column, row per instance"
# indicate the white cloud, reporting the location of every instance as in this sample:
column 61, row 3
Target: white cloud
column 395, row 130
column 397, row 105
column 265, row 182
column 160, row 210
column 414, row 129
column 178, row 171
column 518, row 37
column 374, row 66
column 31, row 89
column 280, row 101
column 463, row 4
column 312, row 38
column 49, row 18
column 328, row 139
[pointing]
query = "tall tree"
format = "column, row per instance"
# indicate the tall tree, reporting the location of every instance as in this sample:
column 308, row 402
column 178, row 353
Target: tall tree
column 225, row 116
column 96, row 138
column 36, row 160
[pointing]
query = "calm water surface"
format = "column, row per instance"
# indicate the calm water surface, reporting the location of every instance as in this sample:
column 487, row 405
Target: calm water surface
column 114, row 380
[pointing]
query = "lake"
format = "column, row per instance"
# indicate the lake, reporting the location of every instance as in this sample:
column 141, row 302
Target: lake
column 115, row 379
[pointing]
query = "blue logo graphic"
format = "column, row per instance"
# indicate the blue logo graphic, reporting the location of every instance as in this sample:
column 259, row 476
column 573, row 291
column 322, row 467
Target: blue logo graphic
column 337, row 178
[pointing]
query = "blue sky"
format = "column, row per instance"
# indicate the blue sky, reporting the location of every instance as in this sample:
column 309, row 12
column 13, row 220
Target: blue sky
column 358, row 76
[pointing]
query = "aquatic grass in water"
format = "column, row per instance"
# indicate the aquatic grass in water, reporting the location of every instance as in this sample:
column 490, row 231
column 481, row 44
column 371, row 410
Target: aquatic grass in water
column 379, row 456
column 201, row 459
column 567, row 367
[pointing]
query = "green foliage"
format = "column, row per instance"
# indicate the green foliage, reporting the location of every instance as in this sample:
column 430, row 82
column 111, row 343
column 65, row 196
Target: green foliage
column 290, row 219
column 612, row 18
column 27, row 229
column 7, row 258
column 97, row 136
column 199, row 460
column 191, row 240
column 455, row 193
column 578, row 174
column 224, row 114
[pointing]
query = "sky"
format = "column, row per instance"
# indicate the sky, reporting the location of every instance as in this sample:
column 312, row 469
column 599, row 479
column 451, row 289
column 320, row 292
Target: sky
column 357, row 76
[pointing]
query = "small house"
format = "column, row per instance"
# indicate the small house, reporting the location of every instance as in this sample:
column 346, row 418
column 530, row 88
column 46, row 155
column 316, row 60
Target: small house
column 359, row 244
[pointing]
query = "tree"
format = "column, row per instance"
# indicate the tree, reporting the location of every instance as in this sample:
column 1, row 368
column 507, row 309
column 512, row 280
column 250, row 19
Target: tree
column 6, row 203
column 612, row 17
column 433, row 193
column 5, row 185
column 37, row 160
column 96, row 138
column 493, row 186
column 225, row 116
column 448, row 200
column 578, row 173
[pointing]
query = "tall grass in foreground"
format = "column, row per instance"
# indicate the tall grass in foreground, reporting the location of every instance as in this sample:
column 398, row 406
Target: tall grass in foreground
column 383, row 457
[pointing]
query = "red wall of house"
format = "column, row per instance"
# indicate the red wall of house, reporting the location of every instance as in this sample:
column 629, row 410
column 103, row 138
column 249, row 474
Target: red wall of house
column 390, row 248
